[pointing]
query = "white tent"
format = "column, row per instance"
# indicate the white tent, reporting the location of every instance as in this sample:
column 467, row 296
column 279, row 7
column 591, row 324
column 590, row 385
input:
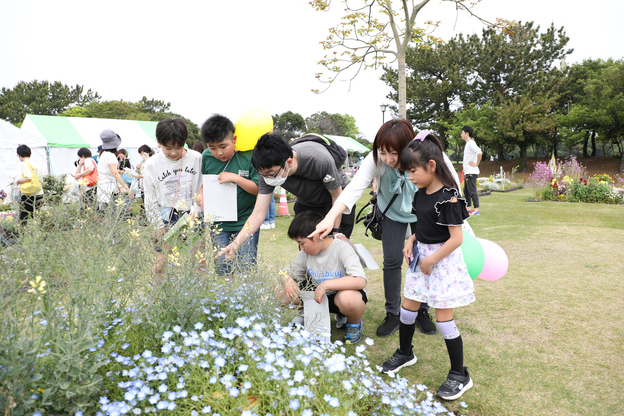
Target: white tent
column 63, row 136
column 10, row 138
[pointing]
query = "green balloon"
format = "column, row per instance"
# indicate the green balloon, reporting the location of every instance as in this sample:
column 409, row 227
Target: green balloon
column 473, row 255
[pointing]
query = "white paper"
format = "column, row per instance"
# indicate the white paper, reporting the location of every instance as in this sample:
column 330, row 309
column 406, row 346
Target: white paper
column 316, row 315
column 366, row 256
column 220, row 200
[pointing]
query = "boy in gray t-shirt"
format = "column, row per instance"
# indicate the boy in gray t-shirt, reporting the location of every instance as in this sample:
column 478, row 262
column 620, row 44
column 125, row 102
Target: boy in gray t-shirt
column 331, row 266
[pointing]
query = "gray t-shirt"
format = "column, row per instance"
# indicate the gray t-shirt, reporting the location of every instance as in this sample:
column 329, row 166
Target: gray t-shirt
column 316, row 175
column 338, row 260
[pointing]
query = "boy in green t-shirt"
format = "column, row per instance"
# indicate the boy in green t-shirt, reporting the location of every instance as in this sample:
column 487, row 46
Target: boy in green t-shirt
column 221, row 158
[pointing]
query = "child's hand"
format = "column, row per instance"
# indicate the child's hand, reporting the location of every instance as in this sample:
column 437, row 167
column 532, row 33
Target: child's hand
column 228, row 177
column 291, row 289
column 228, row 252
column 426, row 265
column 319, row 293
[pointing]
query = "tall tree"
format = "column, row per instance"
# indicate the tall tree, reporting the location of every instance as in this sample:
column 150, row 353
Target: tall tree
column 373, row 30
column 289, row 125
column 334, row 124
column 438, row 80
column 41, row 98
column 145, row 110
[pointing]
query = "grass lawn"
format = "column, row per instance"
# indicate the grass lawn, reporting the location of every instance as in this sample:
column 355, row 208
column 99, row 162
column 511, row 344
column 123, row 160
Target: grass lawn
column 546, row 339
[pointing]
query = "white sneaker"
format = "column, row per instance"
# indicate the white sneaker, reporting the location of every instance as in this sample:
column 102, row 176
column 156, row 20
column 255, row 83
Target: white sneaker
column 272, row 225
column 265, row 226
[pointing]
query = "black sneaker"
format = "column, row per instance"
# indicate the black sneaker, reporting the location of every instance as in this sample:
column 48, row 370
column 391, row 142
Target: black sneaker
column 455, row 385
column 398, row 361
column 425, row 324
column 389, row 325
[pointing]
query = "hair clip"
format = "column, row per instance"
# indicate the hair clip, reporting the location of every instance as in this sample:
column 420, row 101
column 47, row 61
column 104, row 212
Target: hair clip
column 422, row 134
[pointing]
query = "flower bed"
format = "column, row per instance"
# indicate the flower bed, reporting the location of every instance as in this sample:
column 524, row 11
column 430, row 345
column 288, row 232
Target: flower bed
column 88, row 330
column 569, row 181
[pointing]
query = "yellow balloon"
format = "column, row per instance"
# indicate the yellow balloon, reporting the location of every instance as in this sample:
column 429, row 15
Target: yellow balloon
column 250, row 126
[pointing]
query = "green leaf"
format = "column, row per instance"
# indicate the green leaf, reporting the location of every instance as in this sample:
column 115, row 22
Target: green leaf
column 64, row 385
column 62, row 367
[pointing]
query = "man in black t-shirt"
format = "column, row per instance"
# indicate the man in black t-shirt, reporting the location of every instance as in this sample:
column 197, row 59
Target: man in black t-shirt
column 306, row 170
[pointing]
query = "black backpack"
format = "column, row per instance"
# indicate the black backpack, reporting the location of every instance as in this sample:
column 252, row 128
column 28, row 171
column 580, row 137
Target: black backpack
column 338, row 152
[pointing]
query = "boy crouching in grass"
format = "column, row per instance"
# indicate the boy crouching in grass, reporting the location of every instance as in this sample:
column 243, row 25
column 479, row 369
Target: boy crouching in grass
column 332, row 267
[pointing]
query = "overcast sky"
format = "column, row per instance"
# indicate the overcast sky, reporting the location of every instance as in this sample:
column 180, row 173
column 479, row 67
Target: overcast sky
column 226, row 56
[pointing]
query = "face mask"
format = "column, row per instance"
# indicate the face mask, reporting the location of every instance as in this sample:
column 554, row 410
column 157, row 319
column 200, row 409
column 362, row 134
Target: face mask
column 279, row 181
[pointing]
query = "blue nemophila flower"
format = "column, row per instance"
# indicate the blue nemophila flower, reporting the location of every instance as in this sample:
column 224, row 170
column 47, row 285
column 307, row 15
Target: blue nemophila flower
column 351, row 413
column 177, row 328
column 294, row 404
column 463, row 404
column 206, row 409
column 332, row 401
column 163, row 388
column 247, row 385
column 307, row 412
column 234, row 392
column 78, row 413
column 167, row 335
column 199, row 326
column 219, row 361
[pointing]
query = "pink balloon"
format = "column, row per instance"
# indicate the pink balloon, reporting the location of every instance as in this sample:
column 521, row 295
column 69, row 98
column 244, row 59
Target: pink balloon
column 496, row 262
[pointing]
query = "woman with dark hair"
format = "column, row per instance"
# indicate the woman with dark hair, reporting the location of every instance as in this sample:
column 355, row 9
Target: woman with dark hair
column 199, row 146
column 85, row 170
column 382, row 164
column 110, row 182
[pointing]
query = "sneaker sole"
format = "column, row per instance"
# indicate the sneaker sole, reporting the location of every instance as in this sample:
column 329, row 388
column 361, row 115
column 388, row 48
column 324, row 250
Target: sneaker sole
column 387, row 335
column 458, row 395
column 407, row 364
column 353, row 342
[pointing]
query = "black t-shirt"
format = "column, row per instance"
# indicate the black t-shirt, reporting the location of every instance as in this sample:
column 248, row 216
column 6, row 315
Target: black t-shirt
column 436, row 213
column 125, row 163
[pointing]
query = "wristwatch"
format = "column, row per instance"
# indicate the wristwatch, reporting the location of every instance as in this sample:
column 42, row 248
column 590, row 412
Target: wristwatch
column 335, row 230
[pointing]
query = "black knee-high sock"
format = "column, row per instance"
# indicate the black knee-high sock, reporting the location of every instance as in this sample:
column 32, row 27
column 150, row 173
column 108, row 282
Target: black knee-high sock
column 406, row 334
column 455, row 349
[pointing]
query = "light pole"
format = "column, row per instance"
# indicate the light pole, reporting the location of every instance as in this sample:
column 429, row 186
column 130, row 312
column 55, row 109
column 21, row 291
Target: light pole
column 383, row 112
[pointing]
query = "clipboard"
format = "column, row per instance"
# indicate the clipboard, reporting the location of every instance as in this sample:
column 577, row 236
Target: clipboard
column 220, row 200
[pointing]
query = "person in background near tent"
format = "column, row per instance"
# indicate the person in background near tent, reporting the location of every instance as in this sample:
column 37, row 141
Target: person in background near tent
column 30, row 184
column 99, row 150
column 199, row 146
column 472, row 158
column 110, row 181
column 86, row 165
column 221, row 158
column 146, row 152
column 124, row 166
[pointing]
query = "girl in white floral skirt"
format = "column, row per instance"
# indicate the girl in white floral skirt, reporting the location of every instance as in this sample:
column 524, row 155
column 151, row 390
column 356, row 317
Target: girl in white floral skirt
column 437, row 273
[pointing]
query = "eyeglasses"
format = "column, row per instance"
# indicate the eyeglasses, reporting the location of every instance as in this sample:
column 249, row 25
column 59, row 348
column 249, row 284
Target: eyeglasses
column 273, row 175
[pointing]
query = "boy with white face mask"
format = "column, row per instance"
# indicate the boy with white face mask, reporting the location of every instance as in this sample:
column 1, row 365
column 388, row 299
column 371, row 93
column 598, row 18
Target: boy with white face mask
column 306, row 170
